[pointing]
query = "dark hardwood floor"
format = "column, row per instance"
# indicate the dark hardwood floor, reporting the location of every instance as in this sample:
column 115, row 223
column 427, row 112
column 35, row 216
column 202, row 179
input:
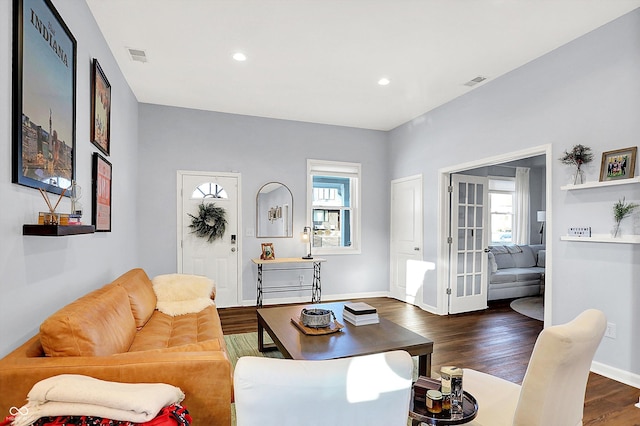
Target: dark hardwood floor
column 498, row 341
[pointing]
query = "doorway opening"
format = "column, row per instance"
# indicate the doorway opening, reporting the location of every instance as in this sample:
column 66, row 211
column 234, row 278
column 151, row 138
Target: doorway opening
column 537, row 159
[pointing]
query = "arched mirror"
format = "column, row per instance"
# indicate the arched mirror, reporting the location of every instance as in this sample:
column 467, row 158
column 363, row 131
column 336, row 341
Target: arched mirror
column 274, row 211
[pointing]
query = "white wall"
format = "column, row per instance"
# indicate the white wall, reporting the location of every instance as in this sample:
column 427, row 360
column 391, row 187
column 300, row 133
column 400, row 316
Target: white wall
column 262, row 150
column 41, row 274
column 585, row 92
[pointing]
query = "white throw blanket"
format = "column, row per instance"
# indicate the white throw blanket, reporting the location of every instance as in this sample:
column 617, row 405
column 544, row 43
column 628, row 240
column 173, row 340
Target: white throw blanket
column 77, row 395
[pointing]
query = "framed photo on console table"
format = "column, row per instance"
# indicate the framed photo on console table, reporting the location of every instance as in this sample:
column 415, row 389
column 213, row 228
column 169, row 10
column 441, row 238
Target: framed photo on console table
column 44, row 97
column 101, row 212
column 100, row 109
column 618, row 164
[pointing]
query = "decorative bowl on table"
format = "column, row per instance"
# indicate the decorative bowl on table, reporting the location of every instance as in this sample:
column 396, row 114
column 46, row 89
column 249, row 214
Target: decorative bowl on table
column 316, row 318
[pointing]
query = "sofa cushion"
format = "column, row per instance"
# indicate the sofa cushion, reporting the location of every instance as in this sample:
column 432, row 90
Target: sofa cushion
column 166, row 331
column 141, row 295
column 525, row 258
column 504, row 260
column 493, row 266
column 512, row 275
column 542, row 254
column 98, row 324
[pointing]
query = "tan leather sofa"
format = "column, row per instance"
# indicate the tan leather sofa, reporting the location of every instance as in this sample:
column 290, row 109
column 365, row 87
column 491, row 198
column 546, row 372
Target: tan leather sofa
column 115, row 333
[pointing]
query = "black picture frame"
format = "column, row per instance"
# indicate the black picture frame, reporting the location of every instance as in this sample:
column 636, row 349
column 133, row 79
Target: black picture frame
column 100, row 109
column 101, row 187
column 44, row 97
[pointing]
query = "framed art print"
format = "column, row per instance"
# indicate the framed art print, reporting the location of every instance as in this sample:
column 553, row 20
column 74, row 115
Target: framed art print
column 618, row 164
column 101, row 216
column 44, row 97
column 268, row 253
column 100, row 109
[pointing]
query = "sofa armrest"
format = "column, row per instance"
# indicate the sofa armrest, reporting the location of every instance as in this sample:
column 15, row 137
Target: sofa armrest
column 204, row 377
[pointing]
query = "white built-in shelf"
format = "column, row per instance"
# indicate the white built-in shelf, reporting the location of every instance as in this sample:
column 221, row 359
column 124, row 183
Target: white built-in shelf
column 597, row 184
column 604, row 238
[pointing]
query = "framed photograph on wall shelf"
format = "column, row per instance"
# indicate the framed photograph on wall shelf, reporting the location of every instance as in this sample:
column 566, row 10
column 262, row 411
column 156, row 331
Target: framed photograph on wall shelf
column 100, row 109
column 618, row 164
column 268, row 253
column 101, row 215
column 44, row 97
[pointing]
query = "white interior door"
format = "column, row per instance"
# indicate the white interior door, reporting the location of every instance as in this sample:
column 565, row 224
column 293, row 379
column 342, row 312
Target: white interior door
column 218, row 259
column 469, row 232
column 407, row 273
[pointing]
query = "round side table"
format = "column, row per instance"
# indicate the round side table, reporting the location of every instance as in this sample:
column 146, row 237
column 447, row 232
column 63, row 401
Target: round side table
column 419, row 414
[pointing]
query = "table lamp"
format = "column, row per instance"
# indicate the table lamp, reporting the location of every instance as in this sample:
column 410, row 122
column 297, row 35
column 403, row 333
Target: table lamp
column 305, row 237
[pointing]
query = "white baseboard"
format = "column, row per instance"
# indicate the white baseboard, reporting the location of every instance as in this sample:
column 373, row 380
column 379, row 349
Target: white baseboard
column 305, row 299
column 616, row 374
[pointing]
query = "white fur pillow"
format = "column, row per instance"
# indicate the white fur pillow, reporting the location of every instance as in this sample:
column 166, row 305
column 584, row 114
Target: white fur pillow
column 180, row 294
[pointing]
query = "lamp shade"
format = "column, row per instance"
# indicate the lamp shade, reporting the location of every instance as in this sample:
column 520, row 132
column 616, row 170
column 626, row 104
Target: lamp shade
column 542, row 216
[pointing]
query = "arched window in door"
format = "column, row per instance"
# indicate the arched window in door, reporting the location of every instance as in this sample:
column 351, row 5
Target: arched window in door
column 209, row 190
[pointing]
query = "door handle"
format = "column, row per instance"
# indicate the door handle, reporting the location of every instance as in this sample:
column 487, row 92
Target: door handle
column 233, row 249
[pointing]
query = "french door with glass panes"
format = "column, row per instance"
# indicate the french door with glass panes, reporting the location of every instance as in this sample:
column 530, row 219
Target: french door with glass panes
column 468, row 238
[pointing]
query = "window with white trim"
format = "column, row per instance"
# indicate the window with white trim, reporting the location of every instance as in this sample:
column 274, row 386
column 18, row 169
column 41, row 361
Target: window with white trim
column 502, row 192
column 333, row 200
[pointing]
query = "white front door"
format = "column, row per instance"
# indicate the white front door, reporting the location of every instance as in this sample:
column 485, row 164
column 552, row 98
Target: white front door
column 217, row 259
column 469, row 230
column 407, row 272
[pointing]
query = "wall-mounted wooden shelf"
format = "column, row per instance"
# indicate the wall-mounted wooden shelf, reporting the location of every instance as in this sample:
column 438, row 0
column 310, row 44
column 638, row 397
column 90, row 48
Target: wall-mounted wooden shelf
column 625, row 239
column 596, row 184
column 57, row 230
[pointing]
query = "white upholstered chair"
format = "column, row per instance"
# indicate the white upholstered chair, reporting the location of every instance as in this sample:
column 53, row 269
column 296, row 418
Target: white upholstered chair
column 553, row 388
column 372, row 390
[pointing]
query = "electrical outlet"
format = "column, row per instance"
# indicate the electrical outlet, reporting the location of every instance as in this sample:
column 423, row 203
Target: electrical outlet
column 610, row 331
column 301, row 278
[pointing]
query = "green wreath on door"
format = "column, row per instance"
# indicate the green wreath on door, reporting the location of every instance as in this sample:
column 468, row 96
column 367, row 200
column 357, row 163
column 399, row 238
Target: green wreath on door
column 210, row 223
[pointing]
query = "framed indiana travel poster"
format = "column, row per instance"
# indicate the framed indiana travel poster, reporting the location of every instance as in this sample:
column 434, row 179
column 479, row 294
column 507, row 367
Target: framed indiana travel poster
column 100, row 109
column 101, row 216
column 44, row 97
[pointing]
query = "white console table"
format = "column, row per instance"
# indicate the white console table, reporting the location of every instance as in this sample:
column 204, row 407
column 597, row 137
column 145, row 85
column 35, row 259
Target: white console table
column 290, row 264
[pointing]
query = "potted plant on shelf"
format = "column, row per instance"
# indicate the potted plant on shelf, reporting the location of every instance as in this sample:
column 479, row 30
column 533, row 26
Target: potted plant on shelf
column 621, row 209
column 577, row 156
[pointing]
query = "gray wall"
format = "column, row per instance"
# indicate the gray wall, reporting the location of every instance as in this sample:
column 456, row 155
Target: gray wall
column 41, row 274
column 585, row 92
column 262, row 150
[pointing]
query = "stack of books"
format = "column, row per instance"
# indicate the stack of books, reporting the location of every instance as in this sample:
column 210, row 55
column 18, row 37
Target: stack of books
column 360, row 313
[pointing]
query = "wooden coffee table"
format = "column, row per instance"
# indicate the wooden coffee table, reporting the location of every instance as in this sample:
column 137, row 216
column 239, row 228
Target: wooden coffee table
column 350, row 341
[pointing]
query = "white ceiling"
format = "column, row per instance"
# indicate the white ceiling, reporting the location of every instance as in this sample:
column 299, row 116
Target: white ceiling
column 319, row 60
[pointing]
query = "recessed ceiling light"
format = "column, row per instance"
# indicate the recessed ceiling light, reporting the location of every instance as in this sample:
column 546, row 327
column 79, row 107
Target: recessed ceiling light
column 384, row 81
column 239, row 56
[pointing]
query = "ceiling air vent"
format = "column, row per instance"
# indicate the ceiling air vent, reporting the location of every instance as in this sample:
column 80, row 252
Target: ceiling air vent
column 138, row 55
column 473, row 82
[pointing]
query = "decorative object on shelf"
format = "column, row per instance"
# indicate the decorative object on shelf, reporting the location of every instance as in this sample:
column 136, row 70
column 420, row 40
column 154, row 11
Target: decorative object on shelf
column 75, row 194
column 210, row 223
column 52, row 218
column 618, row 164
column 578, row 156
column 44, row 97
column 306, row 237
column 542, row 218
column 621, row 209
column 100, row 109
column 102, row 176
column 268, row 253
column 579, row 231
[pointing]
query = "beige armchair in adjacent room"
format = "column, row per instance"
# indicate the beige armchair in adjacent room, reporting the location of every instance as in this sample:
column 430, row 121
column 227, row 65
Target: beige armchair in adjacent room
column 553, row 388
column 372, row 390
